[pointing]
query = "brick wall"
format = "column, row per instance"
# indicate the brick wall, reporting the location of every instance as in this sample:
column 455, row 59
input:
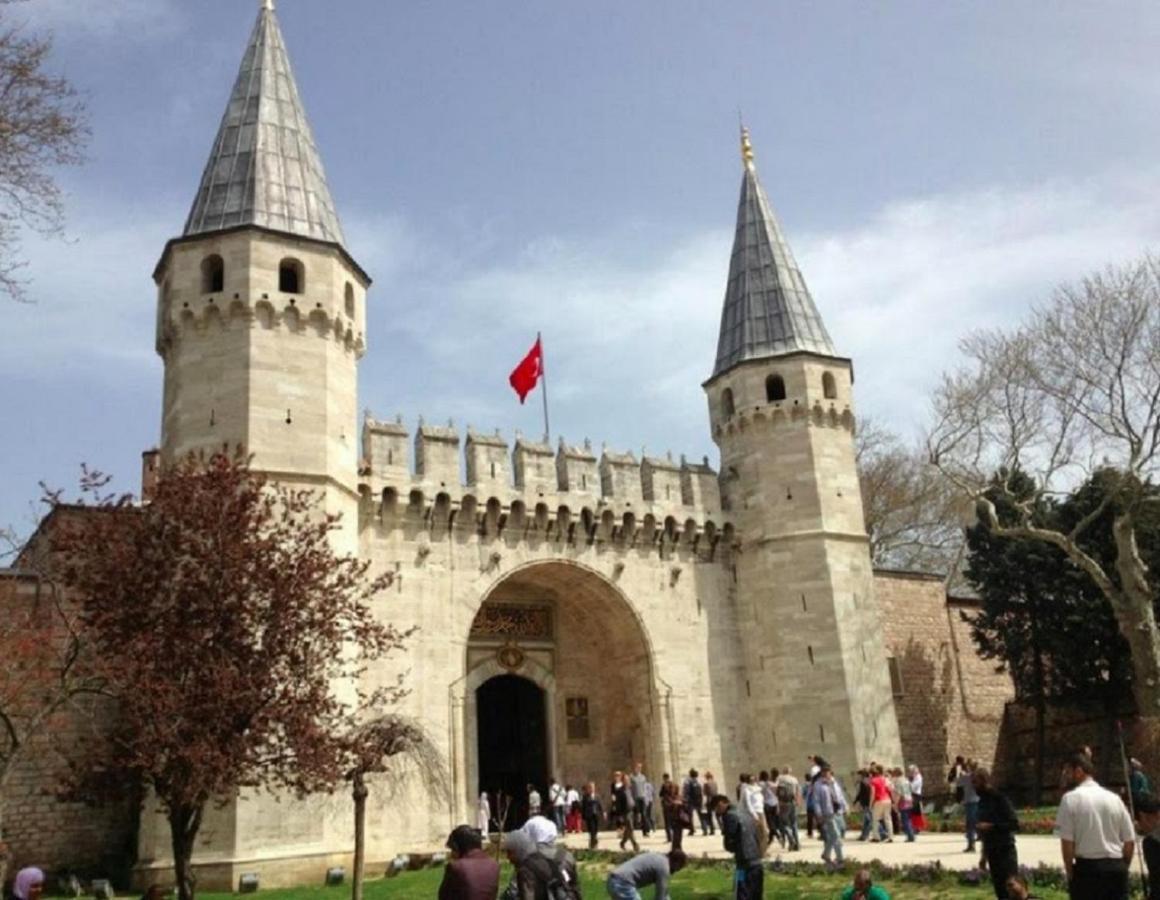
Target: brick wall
column 39, row 829
column 949, row 701
column 1065, row 732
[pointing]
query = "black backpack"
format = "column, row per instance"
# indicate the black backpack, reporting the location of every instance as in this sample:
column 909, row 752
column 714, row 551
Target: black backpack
column 559, row 883
column 695, row 795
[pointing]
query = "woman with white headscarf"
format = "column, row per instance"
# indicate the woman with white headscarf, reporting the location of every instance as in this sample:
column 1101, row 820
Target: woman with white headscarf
column 29, row 884
column 483, row 814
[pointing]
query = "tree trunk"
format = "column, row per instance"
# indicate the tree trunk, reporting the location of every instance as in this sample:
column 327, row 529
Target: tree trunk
column 1040, row 748
column 5, row 860
column 1137, row 618
column 1040, row 713
column 184, row 823
column 360, row 835
column 5, row 853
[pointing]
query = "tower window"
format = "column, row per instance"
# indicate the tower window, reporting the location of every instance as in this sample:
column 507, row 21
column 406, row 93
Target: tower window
column 349, row 300
column 291, row 277
column 829, row 387
column 727, row 402
column 213, row 275
column 774, row 388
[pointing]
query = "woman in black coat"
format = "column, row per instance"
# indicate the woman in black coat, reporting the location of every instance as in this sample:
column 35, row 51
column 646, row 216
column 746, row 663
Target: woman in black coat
column 997, row 826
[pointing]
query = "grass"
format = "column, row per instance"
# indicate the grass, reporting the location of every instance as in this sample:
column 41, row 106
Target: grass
column 702, row 882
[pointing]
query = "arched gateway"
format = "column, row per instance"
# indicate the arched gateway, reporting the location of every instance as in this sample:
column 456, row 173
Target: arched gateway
column 559, row 681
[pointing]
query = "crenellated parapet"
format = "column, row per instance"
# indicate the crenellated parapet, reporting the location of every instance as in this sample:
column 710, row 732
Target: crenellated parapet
column 780, row 414
column 204, row 316
column 568, row 495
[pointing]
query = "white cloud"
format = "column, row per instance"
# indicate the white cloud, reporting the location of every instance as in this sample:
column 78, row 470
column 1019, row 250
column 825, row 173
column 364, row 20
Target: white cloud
column 899, row 291
column 135, row 20
column 630, row 328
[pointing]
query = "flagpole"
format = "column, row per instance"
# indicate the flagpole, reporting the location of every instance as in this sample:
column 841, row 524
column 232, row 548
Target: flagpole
column 544, row 378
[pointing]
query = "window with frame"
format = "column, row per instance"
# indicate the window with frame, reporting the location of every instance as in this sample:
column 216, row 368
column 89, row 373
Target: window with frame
column 576, row 716
column 895, row 676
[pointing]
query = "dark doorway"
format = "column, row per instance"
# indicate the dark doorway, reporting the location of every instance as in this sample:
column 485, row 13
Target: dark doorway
column 513, row 742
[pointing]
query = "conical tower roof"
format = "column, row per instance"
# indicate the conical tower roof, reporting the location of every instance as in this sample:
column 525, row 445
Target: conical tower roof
column 264, row 169
column 768, row 309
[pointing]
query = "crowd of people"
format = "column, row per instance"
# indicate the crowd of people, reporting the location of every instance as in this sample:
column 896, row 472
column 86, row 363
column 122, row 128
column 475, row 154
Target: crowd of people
column 1097, row 834
column 1098, row 837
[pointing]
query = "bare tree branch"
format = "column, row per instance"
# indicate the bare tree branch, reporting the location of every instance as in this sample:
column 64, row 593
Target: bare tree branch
column 1074, row 390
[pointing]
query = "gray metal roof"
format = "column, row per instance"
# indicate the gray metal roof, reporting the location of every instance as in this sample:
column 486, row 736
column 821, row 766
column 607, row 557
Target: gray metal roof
column 264, row 169
column 768, row 309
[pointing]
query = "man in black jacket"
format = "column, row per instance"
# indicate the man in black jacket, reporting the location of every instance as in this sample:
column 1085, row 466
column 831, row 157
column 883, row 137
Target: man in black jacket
column 740, row 834
column 1148, row 824
column 997, row 825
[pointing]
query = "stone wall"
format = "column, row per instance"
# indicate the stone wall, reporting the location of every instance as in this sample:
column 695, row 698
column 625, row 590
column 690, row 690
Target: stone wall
column 39, row 829
column 1065, row 732
column 949, row 701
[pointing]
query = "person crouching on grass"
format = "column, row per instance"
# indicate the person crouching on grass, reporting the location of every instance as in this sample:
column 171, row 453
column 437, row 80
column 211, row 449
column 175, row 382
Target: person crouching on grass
column 625, row 881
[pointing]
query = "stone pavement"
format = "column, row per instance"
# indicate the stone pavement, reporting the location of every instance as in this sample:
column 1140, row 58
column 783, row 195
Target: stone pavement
column 928, row 848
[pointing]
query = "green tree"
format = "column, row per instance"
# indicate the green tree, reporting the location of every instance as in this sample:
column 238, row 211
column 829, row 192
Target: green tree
column 1043, row 617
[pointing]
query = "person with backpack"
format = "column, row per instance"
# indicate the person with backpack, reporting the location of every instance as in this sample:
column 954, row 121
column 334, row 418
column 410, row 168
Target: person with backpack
column 693, row 799
column 625, row 881
column 789, row 795
column 542, row 871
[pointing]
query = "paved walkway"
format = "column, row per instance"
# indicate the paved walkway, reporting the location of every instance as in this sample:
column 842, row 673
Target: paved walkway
column 945, row 848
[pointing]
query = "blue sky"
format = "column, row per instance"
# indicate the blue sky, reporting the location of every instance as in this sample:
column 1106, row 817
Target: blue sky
column 508, row 167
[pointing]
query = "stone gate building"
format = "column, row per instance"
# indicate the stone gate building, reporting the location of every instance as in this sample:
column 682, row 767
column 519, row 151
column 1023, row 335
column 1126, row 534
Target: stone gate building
column 576, row 611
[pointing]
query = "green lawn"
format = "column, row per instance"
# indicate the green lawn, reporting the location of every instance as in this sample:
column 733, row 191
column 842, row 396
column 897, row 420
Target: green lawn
column 701, row 882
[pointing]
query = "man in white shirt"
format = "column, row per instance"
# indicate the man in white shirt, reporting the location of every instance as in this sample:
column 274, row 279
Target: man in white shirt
column 1097, row 838
column 557, row 798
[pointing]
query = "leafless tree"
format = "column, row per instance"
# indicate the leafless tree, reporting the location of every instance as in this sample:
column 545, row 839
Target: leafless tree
column 43, row 126
column 913, row 517
column 395, row 747
column 1074, row 389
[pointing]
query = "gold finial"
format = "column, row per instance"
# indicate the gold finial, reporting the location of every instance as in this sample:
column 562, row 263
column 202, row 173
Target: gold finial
column 746, row 148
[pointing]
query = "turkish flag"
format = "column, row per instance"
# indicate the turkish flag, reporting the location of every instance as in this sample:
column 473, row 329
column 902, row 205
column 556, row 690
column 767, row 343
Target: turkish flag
column 526, row 375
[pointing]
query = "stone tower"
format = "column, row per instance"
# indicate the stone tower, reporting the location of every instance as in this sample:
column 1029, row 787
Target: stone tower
column 261, row 310
column 781, row 412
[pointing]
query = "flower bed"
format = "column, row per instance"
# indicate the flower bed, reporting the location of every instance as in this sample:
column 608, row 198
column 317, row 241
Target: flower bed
column 1031, row 821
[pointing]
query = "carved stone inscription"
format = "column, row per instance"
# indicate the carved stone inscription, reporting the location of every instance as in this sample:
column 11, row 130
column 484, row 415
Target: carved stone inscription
column 513, row 621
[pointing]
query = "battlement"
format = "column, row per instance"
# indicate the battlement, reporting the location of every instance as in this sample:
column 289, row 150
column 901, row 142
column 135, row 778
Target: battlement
column 204, row 315
column 614, row 495
column 780, row 413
